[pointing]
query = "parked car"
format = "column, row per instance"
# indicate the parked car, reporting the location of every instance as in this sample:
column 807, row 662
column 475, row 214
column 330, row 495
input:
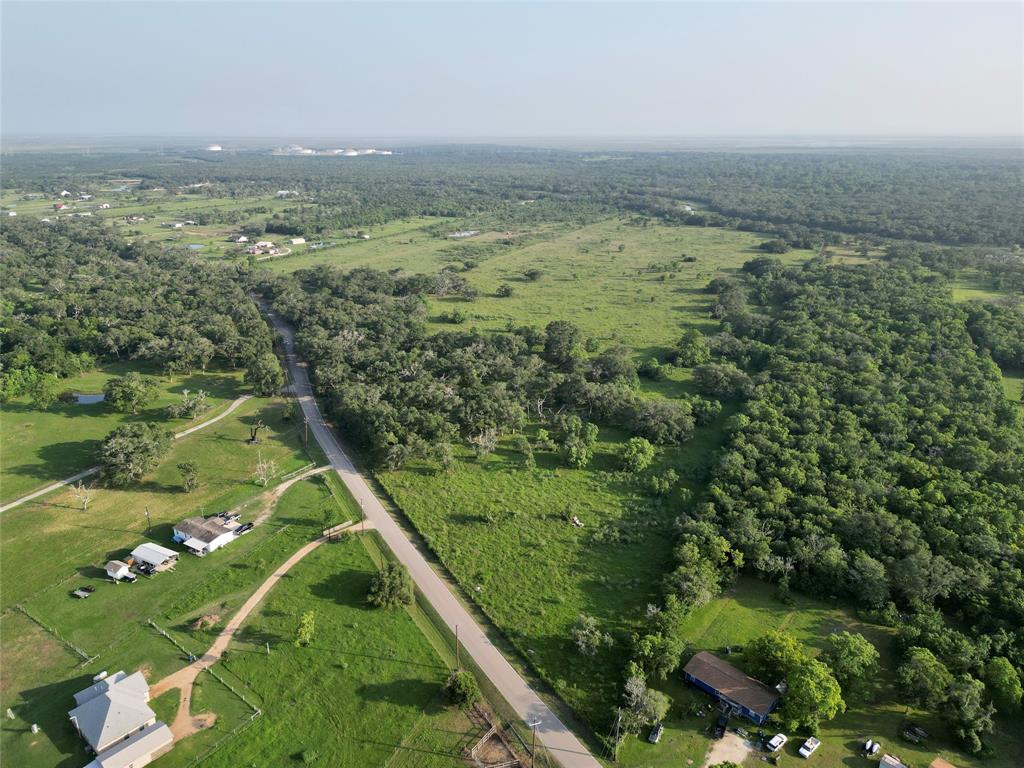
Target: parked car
column 776, row 742
column 656, row 732
column 809, row 746
column 914, row 733
column 723, row 721
column 243, row 529
column 83, row 592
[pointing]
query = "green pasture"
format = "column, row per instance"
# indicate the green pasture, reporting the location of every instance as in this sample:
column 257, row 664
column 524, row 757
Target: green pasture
column 39, row 447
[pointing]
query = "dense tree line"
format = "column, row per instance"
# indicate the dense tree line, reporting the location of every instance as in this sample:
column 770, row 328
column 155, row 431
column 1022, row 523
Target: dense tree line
column 954, row 196
column 876, row 456
column 75, row 293
column 401, row 392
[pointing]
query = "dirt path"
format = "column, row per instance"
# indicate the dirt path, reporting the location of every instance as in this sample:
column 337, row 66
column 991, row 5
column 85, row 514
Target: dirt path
column 185, row 723
column 94, row 470
column 269, row 499
column 729, row 748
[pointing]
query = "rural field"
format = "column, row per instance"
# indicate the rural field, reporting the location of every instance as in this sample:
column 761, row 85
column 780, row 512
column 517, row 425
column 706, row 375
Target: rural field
column 43, row 446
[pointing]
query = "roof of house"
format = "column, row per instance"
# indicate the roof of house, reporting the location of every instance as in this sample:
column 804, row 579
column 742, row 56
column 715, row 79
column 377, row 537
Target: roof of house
column 142, row 744
column 889, row 761
column 116, row 565
column 153, row 554
column 112, row 708
column 732, row 683
column 206, row 529
column 939, row 762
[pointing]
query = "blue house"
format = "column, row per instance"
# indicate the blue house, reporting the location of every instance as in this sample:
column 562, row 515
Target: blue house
column 742, row 693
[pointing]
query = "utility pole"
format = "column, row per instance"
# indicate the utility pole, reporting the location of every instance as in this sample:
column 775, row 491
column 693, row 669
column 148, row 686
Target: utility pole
column 305, row 437
column 149, row 523
column 533, row 746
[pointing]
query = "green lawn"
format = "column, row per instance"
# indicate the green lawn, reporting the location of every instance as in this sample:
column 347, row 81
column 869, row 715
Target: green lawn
column 1013, row 385
column 78, row 542
column 747, row 611
column 42, row 446
column 358, row 692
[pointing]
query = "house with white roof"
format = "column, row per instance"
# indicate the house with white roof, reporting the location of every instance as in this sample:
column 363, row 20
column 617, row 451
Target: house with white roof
column 114, row 717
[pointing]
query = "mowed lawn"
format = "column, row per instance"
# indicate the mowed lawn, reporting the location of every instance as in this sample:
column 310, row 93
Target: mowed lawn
column 50, row 540
column 42, row 446
column 354, row 695
column 747, row 611
column 42, row 669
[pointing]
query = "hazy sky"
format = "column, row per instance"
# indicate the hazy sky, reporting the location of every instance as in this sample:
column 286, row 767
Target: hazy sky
column 496, row 69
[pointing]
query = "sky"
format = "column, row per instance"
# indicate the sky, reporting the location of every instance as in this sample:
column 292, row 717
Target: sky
column 529, row 69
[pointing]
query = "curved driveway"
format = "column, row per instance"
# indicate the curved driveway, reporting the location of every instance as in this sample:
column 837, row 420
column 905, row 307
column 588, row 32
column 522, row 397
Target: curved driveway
column 560, row 742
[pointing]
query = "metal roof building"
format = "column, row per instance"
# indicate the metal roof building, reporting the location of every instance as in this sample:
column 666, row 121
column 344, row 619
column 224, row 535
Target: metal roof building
column 745, row 695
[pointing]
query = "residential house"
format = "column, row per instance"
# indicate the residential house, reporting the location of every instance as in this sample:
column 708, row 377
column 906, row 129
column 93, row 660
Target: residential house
column 59, row 206
column 298, row 241
column 114, row 718
column 730, row 686
column 202, row 535
column 239, row 239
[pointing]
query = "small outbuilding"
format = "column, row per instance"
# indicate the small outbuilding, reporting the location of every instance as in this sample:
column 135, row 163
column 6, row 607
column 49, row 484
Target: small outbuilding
column 732, row 687
column 298, row 241
column 152, row 558
column 119, row 571
column 891, row 761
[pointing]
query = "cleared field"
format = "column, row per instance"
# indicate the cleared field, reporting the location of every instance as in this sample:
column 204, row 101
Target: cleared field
column 354, row 695
column 750, row 609
column 110, row 630
column 43, row 446
column 1013, row 384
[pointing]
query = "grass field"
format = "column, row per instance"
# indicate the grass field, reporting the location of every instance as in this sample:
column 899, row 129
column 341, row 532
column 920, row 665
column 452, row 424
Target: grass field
column 747, row 611
column 43, row 446
column 357, row 692
column 42, row 668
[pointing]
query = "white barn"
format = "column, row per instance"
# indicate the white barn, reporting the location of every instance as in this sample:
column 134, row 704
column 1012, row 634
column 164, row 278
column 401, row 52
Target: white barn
column 153, row 557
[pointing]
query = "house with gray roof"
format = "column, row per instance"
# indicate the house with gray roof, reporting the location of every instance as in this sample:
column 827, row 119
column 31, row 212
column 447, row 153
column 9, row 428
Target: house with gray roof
column 202, row 535
column 114, row 718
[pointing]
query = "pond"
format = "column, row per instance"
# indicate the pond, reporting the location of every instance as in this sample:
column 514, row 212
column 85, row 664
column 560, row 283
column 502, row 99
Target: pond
column 85, row 398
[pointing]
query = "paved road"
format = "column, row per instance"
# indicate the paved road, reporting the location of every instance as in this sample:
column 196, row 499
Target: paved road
column 551, row 732
column 93, row 470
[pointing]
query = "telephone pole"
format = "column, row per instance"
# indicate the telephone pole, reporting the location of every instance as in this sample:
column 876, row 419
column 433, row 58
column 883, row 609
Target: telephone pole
column 149, row 523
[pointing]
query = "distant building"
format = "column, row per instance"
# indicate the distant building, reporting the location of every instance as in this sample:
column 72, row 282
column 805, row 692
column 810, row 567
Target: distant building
column 200, row 535
column 104, row 206
column 745, row 695
column 114, row 718
column 297, row 241
column 59, row 206
column 239, row 239
column 214, row 148
column 938, row 762
column 12, row 213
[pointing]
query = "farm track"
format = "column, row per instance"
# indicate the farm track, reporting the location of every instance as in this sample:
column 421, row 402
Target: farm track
column 95, row 470
column 551, row 732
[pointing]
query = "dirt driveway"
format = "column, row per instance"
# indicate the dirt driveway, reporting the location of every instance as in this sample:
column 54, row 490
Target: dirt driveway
column 731, row 747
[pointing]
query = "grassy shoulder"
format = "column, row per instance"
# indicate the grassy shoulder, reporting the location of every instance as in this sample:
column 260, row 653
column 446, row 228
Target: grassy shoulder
column 747, row 611
column 43, row 446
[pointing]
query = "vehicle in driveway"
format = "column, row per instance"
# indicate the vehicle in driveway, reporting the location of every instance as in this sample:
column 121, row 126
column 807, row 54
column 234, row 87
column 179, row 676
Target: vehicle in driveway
column 656, row 732
column 809, row 746
column 719, row 732
column 83, row 592
column 776, row 742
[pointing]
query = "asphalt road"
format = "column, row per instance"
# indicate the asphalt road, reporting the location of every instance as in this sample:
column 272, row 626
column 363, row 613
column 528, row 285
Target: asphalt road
column 560, row 742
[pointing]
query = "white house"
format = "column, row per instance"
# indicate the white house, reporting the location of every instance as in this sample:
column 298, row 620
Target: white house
column 298, row 241
column 153, row 558
column 240, row 239
column 265, row 244
column 114, row 717
column 65, row 193
column 119, row 571
column 12, row 213
column 104, row 206
column 200, row 535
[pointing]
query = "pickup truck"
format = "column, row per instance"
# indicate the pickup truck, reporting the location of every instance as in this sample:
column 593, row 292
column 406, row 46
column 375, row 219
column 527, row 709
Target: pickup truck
column 776, row 742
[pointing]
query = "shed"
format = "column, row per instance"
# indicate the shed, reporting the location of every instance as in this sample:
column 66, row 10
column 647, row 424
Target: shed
column 298, row 240
column 890, row 761
column 118, row 570
column 745, row 695
column 939, row 762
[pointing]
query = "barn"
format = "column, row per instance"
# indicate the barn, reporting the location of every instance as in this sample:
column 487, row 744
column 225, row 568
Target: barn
column 745, row 695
